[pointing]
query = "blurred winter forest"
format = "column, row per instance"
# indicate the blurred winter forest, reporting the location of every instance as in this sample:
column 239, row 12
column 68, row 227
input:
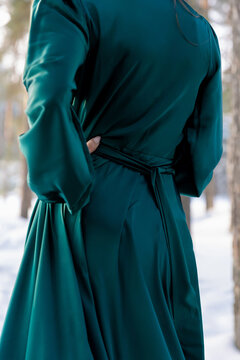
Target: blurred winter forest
column 213, row 219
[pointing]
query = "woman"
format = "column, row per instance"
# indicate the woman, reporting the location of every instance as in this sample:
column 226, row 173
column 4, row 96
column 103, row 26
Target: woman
column 108, row 270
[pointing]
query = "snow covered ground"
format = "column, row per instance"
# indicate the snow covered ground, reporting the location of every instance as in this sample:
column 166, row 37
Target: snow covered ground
column 213, row 249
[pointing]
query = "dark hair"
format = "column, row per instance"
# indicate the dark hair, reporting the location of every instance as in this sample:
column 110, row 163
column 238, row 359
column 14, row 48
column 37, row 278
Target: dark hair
column 182, row 2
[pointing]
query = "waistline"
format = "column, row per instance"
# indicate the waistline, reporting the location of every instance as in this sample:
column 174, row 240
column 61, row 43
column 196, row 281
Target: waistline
column 134, row 162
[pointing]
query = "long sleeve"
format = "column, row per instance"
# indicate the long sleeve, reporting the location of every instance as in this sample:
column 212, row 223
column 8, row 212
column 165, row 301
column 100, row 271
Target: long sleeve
column 59, row 163
column 201, row 148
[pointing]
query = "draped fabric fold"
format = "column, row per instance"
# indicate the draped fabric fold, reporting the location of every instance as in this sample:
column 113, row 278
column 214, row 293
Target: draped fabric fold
column 52, row 292
column 185, row 296
column 59, row 276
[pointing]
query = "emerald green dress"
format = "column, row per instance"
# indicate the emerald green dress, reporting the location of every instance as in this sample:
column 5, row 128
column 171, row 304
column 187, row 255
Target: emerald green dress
column 108, row 270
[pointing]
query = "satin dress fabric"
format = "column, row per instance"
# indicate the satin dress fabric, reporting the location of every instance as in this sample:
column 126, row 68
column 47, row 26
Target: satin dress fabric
column 109, row 270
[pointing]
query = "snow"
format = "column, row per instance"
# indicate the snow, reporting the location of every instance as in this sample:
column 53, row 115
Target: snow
column 213, row 249
column 13, row 232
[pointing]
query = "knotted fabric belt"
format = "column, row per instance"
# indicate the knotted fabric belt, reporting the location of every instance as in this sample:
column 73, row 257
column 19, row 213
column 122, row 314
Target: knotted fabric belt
column 184, row 292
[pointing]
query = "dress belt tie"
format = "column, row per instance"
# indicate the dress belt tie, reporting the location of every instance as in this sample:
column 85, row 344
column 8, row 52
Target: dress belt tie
column 184, row 292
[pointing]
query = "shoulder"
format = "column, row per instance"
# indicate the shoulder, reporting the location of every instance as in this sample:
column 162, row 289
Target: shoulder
column 73, row 7
column 207, row 38
column 214, row 48
column 208, row 33
column 202, row 20
column 196, row 22
column 191, row 9
column 212, row 34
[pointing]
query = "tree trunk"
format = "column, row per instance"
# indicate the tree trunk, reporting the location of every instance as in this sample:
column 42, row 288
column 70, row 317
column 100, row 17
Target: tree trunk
column 235, row 139
column 8, row 131
column 210, row 193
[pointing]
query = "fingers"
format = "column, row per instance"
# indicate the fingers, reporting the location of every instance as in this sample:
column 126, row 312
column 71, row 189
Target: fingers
column 93, row 143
